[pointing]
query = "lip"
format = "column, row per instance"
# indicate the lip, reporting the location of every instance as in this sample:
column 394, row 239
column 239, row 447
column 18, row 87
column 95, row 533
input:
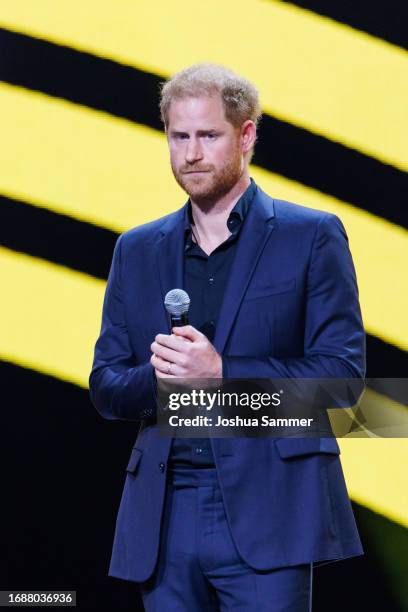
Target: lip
column 197, row 172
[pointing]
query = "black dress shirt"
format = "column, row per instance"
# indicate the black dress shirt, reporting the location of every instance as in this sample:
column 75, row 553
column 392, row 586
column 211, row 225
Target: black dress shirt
column 205, row 278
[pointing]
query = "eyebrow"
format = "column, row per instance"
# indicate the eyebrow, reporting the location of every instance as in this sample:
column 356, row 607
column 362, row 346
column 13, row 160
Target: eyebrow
column 199, row 132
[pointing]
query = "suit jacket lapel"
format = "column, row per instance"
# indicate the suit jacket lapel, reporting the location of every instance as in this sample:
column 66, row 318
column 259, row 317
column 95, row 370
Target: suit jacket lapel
column 255, row 232
column 170, row 256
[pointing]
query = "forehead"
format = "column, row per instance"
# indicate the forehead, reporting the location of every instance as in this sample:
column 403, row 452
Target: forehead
column 194, row 111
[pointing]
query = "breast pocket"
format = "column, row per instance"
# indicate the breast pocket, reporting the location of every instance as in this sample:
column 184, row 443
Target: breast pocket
column 259, row 290
column 256, row 317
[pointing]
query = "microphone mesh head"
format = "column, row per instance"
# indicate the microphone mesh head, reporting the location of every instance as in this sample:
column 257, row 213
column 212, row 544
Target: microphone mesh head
column 177, row 302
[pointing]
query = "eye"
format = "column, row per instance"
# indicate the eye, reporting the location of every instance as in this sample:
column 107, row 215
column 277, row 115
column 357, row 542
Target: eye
column 212, row 136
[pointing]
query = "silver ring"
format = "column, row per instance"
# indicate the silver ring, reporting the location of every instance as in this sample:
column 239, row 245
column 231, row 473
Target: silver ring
column 169, row 368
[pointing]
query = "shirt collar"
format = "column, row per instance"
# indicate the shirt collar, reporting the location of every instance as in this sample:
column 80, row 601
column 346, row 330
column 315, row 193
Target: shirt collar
column 237, row 214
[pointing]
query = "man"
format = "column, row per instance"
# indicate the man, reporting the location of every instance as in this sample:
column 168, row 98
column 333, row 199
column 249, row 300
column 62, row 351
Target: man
column 227, row 524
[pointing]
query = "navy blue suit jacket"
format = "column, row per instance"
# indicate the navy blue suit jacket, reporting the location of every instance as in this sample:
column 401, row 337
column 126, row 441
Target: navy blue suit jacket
column 290, row 309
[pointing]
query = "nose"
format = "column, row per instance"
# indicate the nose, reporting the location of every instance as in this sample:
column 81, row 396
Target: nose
column 193, row 151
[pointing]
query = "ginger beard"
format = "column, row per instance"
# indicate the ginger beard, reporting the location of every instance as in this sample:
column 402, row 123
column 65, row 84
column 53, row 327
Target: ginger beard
column 214, row 183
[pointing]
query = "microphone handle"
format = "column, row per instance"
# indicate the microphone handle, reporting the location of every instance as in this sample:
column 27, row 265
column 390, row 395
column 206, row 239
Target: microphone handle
column 179, row 320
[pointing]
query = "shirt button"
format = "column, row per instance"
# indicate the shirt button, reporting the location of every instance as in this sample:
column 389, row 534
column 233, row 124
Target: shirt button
column 211, row 280
column 162, row 467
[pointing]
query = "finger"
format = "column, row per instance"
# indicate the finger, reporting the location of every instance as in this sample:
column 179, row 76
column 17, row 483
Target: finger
column 160, row 374
column 163, row 366
column 172, row 341
column 158, row 363
column 188, row 331
column 163, row 339
column 168, row 354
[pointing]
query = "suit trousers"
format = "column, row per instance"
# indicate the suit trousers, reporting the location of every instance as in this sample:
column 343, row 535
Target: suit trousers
column 199, row 567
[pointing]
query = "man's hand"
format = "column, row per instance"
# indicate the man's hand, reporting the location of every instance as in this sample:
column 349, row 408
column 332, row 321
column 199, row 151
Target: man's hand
column 187, row 353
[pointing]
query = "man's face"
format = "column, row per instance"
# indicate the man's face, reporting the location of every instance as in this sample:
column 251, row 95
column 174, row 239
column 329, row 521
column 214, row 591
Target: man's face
column 205, row 149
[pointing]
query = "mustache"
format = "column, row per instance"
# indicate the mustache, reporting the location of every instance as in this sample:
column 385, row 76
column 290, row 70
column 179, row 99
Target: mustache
column 187, row 170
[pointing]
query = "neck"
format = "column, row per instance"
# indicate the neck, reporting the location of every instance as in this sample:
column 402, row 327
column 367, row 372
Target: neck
column 211, row 222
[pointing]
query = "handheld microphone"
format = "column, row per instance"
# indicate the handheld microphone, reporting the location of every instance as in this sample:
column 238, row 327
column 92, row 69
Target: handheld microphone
column 177, row 303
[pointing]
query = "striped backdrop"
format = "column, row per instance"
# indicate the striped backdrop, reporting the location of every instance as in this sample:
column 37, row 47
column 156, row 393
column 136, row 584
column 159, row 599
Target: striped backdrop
column 83, row 157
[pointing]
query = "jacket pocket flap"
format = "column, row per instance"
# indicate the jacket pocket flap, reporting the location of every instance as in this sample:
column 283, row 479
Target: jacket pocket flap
column 135, row 457
column 272, row 289
column 296, row 447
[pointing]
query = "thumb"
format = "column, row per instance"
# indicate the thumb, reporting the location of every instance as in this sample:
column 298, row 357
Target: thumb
column 187, row 331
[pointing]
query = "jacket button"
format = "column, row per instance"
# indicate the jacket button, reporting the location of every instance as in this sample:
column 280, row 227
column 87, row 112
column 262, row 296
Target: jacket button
column 162, row 467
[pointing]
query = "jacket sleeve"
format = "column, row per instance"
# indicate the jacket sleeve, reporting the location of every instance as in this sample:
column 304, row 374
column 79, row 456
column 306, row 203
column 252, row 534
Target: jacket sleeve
column 334, row 342
column 120, row 388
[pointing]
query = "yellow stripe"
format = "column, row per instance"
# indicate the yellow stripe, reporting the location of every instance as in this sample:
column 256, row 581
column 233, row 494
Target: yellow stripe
column 50, row 316
column 80, row 162
column 310, row 70
column 50, row 321
column 374, row 467
column 376, row 475
column 115, row 174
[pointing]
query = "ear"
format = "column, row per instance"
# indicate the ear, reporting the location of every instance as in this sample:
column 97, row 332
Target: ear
column 248, row 135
